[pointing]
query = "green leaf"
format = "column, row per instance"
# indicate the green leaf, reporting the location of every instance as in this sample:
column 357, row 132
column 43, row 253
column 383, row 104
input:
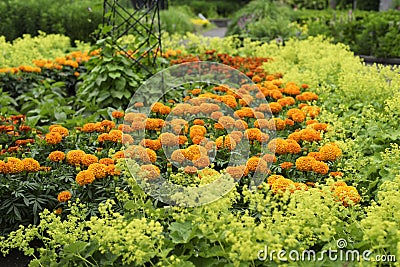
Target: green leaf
column 120, row 84
column 114, row 75
column 75, row 247
column 181, row 232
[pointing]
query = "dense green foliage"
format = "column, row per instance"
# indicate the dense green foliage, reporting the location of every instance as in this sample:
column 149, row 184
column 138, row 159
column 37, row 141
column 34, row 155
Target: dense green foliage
column 75, row 19
column 367, row 33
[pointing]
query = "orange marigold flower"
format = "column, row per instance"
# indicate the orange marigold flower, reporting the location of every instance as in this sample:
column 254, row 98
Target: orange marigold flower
column 107, row 125
column 338, row 183
column 281, row 185
column 336, row 174
column 61, row 130
column 13, row 165
column 269, row 158
column 154, row 124
column 168, row 139
column 216, row 115
column 106, row 161
column 103, row 137
column 252, row 134
column 279, row 124
column 229, row 100
column 295, row 136
column 305, row 163
column 292, row 146
column 271, row 179
column 218, row 126
column 225, row 142
column 315, row 155
column 64, row 196
column 53, row 138
column 244, row 112
column 178, row 155
column 127, row 139
column 152, row 144
column 207, row 172
column 227, row 122
column 117, row 114
column 149, row 171
column 330, row 152
column 289, row 122
column 348, row 195
column 164, row 110
column 286, row 165
column 256, row 164
column 98, row 170
column 119, row 155
column 85, row 177
column 262, row 124
column 152, row 155
column 198, row 139
column 202, row 162
column 311, row 111
column 301, row 186
column 241, row 125
column 198, row 122
column 286, row 101
column 275, row 107
column 237, row 172
column 194, row 152
column 310, row 135
column 89, row 127
column 156, row 107
column 89, row 159
column 111, row 170
column 190, row 170
column 320, row 167
column 278, row 145
column 31, row 165
column 53, row 126
column 196, row 130
column 56, row 156
column 115, row 136
column 182, row 139
column 74, row 157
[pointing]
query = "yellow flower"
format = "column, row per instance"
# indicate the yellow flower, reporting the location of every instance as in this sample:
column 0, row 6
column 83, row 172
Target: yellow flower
column 89, row 159
column 348, row 195
column 305, row 163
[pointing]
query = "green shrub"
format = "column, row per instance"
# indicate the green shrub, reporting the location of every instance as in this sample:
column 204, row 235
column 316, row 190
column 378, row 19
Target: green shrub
column 176, row 20
column 75, row 19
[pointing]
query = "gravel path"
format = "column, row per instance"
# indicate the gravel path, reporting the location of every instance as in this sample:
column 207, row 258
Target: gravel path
column 217, row 32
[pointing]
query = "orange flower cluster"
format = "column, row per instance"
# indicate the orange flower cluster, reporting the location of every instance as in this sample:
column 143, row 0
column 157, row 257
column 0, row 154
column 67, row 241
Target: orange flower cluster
column 14, row 165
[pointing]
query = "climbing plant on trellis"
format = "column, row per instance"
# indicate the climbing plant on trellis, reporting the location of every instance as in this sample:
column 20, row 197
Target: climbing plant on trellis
column 140, row 18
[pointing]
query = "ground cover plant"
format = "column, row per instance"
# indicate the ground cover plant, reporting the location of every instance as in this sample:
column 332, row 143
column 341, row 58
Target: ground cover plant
column 329, row 171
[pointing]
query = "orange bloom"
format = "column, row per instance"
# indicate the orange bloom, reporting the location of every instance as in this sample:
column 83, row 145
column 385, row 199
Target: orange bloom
column 292, row 147
column 269, row 158
column 336, row 174
column 106, row 161
column 117, row 114
column 190, row 170
column 320, row 167
column 253, row 134
column 256, row 164
column 227, row 122
column 202, row 162
column 84, row 177
column 197, row 130
column 168, row 139
column 225, row 142
column 152, row 156
column 150, row 171
column 61, row 130
column 74, row 157
column 53, row 138
column 89, row 159
column 278, row 145
column 31, row 165
column 56, row 156
column 237, row 172
column 281, row 185
column 178, row 155
column 152, row 144
column 89, row 127
column 330, row 152
column 98, row 170
column 286, row 165
column 64, row 196
column 275, row 107
column 305, row 163
column 348, row 195
column 271, row 179
column 194, row 152
column 241, row 125
column 198, row 122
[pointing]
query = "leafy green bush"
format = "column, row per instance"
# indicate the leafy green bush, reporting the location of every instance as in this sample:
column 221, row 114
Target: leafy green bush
column 75, row 19
column 264, row 20
column 176, row 20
